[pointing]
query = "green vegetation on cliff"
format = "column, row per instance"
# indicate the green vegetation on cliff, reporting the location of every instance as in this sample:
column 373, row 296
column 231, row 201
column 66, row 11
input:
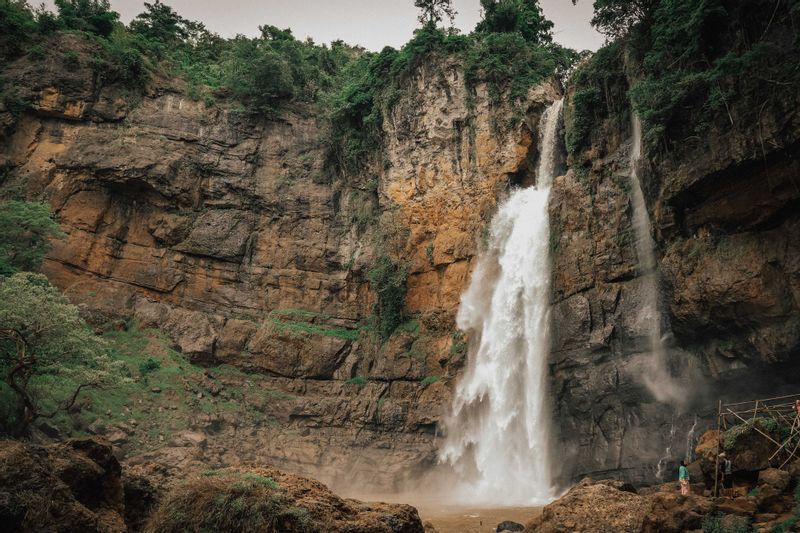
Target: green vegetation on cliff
column 25, row 230
column 686, row 67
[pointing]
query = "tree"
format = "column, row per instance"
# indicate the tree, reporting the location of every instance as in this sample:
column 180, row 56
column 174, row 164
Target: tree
column 48, row 355
column 516, row 16
column 160, row 22
column 17, row 24
column 615, row 18
column 434, row 11
column 25, row 232
column 93, row 16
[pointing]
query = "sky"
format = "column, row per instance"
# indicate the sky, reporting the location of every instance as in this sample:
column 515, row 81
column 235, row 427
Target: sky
column 372, row 24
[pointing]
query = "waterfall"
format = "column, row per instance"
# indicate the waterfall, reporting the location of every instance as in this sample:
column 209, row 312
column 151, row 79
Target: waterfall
column 498, row 432
column 690, row 442
column 656, row 376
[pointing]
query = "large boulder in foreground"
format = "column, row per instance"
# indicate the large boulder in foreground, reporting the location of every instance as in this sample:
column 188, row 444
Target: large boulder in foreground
column 606, row 506
column 72, row 486
column 611, row 506
column 265, row 499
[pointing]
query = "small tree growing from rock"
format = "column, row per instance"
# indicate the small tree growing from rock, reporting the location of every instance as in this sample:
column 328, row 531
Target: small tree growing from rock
column 48, row 355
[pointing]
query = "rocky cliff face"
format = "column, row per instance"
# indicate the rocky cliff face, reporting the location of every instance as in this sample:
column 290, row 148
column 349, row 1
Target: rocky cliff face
column 237, row 238
column 724, row 208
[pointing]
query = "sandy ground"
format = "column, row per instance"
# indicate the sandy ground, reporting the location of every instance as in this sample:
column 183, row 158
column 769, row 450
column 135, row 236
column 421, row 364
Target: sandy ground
column 456, row 519
column 447, row 517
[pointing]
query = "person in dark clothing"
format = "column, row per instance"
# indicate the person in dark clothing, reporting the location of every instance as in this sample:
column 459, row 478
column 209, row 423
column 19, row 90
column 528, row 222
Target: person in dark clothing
column 727, row 475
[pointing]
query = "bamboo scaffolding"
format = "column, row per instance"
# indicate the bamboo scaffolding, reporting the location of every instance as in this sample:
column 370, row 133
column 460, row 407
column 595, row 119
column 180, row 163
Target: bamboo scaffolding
column 783, row 412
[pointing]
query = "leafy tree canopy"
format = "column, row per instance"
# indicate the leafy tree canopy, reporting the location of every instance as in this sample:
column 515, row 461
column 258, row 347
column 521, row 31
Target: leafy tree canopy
column 25, row 232
column 93, row 16
column 516, row 16
column 614, row 18
column 433, row 12
column 42, row 341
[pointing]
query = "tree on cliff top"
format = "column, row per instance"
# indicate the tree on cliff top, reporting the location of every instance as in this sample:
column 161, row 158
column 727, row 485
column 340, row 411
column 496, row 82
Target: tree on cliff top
column 614, row 18
column 25, row 232
column 48, row 354
column 93, row 16
column 524, row 17
column 434, row 11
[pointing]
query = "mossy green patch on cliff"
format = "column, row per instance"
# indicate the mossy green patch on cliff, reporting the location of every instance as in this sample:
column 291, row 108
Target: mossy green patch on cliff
column 302, row 321
column 598, row 99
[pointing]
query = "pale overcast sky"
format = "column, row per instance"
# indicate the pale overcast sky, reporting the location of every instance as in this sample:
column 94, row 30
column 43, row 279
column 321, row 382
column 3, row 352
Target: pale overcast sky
column 370, row 23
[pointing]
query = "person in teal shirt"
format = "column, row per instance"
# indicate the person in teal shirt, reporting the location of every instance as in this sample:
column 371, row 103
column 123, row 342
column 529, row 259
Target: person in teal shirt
column 683, row 479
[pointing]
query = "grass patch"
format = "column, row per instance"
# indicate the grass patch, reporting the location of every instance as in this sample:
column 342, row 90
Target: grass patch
column 358, row 380
column 430, row 380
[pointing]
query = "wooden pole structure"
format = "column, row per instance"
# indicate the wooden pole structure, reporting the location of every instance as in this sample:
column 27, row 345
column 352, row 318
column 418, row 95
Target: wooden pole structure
column 716, row 455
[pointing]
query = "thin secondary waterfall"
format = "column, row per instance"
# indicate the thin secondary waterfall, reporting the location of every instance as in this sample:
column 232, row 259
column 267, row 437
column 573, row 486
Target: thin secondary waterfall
column 657, row 377
column 498, row 433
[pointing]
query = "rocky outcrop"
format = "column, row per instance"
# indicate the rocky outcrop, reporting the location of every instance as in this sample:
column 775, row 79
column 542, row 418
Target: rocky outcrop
column 79, row 485
column 72, row 486
column 256, row 499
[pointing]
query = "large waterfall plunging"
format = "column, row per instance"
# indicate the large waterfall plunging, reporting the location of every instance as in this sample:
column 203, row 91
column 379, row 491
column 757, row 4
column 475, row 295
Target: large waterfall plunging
column 498, row 433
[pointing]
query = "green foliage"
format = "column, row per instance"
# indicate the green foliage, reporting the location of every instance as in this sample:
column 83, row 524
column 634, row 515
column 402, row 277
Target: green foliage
column 37, row 53
column 122, row 60
column 148, row 365
column 600, row 95
column 430, row 380
column 282, row 319
column 409, row 326
column 43, row 339
column 523, row 17
column 506, row 61
column 358, row 380
column 261, row 480
column 615, row 18
column 25, row 232
column 72, row 59
column 459, row 344
column 388, row 280
column 92, row 16
column 720, row 523
column 432, row 12
column 700, row 70
column 17, row 27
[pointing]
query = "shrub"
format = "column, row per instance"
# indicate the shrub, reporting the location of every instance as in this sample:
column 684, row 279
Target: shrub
column 388, row 280
column 149, row 365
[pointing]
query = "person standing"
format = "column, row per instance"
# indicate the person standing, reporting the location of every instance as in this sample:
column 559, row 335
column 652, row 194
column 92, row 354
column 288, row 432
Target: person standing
column 727, row 475
column 683, row 479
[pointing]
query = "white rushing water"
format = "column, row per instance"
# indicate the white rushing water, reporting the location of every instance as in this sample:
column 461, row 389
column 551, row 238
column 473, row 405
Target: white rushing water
column 656, row 377
column 498, row 432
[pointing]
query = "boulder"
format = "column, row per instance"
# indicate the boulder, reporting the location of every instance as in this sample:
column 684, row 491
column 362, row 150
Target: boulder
column 593, row 506
column 71, row 486
column 670, row 512
column 777, row 479
column 247, row 499
column 508, row 525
